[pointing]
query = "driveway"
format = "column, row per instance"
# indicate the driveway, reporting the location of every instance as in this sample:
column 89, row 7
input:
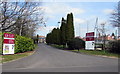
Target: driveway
column 49, row 59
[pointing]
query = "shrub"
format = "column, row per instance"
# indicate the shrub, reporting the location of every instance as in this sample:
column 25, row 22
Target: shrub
column 23, row 44
column 114, row 46
column 76, row 43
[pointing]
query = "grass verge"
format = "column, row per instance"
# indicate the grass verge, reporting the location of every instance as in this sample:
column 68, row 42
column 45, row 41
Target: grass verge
column 0, row 42
column 58, row 46
column 6, row 58
column 98, row 53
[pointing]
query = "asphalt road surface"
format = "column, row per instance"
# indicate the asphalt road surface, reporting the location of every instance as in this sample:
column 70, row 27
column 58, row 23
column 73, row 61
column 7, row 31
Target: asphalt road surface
column 49, row 59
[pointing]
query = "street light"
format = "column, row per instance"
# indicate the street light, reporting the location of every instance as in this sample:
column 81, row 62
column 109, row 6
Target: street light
column 66, row 45
column 58, row 24
column 103, row 35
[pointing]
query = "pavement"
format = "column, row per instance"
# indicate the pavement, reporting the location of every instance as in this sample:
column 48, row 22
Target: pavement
column 50, row 59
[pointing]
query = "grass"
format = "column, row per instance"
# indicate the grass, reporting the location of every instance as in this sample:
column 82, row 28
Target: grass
column 96, row 52
column 6, row 58
column 57, row 46
column 91, row 52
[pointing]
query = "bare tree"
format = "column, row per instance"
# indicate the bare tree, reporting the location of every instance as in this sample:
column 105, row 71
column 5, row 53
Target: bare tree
column 20, row 17
column 115, row 18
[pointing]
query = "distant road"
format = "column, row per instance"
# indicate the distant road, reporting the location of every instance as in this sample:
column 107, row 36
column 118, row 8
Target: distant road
column 49, row 59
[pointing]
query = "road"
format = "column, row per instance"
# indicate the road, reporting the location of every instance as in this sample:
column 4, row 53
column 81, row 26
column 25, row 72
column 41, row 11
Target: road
column 49, row 59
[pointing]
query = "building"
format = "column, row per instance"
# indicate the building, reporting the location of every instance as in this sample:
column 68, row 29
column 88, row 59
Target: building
column 42, row 39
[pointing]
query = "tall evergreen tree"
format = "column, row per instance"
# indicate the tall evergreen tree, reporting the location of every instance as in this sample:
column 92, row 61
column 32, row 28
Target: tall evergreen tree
column 49, row 38
column 63, row 31
column 55, row 36
column 70, row 27
column 58, row 36
column 64, row 34
column 37, row 38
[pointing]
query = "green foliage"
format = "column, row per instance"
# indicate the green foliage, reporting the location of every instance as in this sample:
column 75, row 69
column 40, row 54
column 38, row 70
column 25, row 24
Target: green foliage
column 48, row 38
column 53, row 37
column 97, row 52
column 63, row 31
column 64, row 34
column 114, row 46
column 76, row 43
column 69, row 27
column 23, row 44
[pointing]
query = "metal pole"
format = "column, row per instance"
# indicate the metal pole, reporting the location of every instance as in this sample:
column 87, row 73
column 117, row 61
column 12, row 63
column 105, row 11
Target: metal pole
column 79, row 30
column 87, row 26
column 116, row 35
column 96, row 32
column 58, row 24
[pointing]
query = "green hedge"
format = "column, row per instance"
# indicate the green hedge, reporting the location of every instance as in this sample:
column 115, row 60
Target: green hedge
column 76, row 43
column 114, row 46
column 23, row 44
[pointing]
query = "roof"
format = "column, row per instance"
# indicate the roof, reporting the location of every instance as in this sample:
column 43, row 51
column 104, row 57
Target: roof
column 42, row 36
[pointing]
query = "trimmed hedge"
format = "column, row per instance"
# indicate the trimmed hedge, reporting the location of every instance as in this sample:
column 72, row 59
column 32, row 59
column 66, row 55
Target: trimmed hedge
column 76, row 43
column 114, row 46
column 23, row 44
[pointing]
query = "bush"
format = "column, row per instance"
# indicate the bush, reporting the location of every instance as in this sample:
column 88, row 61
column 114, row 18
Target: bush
column 76, row 43
column 23, row 44
column 114, row 46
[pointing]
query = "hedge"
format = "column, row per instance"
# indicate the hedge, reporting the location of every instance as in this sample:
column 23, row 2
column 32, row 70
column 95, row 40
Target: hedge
column 23, row 44
column 114, row 46
column 76, row 43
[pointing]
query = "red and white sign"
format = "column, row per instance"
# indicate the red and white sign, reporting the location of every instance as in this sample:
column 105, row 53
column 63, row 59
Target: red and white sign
column 90, row 39
column 90, row 36
column 7, row 35
column 89, row 44
column 8, row 43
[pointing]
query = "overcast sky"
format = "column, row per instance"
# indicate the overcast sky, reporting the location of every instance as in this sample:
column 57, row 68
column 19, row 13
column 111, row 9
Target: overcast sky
column 83, row 12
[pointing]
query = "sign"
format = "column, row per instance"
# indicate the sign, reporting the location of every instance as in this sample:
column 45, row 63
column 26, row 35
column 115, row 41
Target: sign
column 7, row 35
column 8, row 43
column 90, row 36
column 89, row 44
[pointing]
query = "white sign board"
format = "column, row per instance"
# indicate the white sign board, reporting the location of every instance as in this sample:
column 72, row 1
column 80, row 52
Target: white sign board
column 8, row 44
column 89, row 45
column 8, row 48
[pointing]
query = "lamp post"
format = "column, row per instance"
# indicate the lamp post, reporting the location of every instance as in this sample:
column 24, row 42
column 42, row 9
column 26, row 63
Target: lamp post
column 103, row 35
column 58, row 24
column 66, row 45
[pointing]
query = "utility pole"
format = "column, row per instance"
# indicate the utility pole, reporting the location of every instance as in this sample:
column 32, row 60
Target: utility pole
column 58, row 24
column 116, row 37
column 79, row 30
column 103, row 35
column 96, row 32
column 87, row 27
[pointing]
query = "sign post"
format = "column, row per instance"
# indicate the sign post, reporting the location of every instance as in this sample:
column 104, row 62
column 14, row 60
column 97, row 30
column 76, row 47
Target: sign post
column 8, row 43
column 90, row 43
